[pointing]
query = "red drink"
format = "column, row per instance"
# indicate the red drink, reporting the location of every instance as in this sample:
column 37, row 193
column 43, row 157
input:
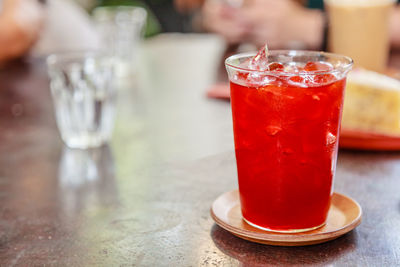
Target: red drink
column 286, row 130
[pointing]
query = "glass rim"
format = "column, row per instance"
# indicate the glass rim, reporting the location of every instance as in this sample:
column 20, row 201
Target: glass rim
column 343, row 68
column 68, row 56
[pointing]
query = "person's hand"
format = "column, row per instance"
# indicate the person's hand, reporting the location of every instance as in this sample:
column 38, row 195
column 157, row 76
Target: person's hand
column 26, row 14
column 20, row 25
column 186, row 6
column 395, row 27
column 284, row 24
column 225, row 20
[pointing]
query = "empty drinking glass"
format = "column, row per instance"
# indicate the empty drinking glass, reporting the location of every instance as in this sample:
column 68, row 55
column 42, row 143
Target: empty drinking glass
column 121, row 29
column 82, row 86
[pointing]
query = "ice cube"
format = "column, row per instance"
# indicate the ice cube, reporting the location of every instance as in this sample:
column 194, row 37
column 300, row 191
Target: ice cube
column 260, row 79
column 298, row 81
column 324, row 78
column 240, row 76
column 318, row 66
column 275, row 66
column 330, row 139
column 260, row 61
column 292, row 67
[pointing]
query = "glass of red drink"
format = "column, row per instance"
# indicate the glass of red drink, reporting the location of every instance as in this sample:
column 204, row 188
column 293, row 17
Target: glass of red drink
column 286, row 121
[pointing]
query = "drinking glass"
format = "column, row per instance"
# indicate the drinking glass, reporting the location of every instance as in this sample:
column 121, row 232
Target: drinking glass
column 286, row 130
column 121, row 29
column 82, row 87
column 360, row 30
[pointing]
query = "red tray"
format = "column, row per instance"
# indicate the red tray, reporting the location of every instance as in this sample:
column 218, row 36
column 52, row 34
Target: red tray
column 220, row 91
column 368, row 141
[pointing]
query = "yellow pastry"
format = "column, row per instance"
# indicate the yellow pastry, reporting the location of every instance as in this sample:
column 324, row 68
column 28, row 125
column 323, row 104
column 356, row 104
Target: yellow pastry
column 372, row 103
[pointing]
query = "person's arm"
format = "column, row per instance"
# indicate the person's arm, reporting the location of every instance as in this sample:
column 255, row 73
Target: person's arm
column 285, row 24
column 395, row 27
column 20, row 24
column 187, row 6
column 226, row 20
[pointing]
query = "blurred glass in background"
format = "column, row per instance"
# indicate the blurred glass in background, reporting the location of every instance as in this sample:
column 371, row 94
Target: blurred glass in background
column 121, row 29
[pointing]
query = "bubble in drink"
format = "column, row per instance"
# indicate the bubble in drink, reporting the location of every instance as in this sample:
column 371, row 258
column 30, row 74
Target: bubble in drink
column 273, row 129
column 316, row 97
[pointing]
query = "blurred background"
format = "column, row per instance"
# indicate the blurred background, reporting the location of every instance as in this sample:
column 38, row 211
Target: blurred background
column 47, row 26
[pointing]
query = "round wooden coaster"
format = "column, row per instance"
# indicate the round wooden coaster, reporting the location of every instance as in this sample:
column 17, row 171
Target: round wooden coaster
column 344, row 215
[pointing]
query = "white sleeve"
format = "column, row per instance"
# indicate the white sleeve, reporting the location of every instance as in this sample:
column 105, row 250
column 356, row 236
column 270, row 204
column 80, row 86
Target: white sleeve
column 67, row 27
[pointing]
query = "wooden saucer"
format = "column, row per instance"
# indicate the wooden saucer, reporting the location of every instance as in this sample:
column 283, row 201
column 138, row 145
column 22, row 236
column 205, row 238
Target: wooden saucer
column 344, row 215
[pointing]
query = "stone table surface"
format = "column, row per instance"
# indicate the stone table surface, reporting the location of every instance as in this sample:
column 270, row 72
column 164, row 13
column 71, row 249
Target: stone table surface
column 144, row 199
